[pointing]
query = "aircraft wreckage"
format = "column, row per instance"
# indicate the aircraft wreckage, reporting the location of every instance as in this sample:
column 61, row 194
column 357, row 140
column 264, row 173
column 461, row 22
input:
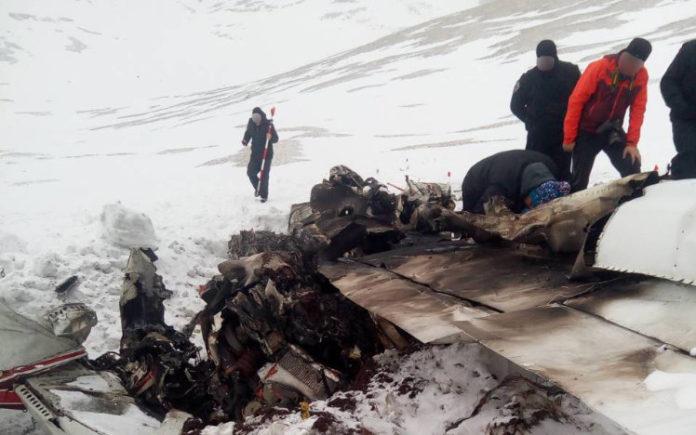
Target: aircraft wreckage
column 589, row 293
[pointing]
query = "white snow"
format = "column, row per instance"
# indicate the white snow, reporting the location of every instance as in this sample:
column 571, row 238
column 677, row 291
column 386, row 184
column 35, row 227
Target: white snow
column 93, row 383
column 424, row 393
column 681, row 385
column 144, row 106
column 126, row 228
column 131, row 420
column 46, row 266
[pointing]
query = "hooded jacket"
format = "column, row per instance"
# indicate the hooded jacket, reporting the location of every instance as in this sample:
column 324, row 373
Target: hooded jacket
column 502, row 174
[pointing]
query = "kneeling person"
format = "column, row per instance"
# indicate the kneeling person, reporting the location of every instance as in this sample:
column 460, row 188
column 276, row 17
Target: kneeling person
column 524, row 179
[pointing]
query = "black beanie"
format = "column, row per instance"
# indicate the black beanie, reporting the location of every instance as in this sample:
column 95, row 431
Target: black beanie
column 639, row 48
column 546, row 48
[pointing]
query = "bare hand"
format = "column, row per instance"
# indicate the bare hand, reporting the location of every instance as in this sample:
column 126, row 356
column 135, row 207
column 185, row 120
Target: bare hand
column 568, row 147
column 633, row 153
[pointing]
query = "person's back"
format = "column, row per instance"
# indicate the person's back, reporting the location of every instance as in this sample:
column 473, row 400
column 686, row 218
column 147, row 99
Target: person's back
column 678, row 88
column 501, row 175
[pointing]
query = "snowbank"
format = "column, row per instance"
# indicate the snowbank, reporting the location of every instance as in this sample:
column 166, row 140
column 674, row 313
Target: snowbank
column 126, row 228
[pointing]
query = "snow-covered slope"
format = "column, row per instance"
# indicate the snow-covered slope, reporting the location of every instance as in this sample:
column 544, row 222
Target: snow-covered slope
column 144, row 105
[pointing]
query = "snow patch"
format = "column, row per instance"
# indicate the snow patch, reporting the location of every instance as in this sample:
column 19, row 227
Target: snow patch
column 95, row 383
column 46, row 266
column 131, row 420
column 682, row 385
column 11, row 244
column 223, row 429
column 126, row 228
column 428, row 392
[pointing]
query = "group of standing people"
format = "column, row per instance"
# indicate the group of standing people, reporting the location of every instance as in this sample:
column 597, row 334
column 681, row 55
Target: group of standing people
column 570, row 117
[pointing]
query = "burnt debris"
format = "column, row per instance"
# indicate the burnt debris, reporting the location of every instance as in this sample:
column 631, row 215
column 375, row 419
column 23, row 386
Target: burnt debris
column 276, row 331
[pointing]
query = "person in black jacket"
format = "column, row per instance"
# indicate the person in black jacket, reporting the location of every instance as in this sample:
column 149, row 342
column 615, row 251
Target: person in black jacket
column 540, row 100
column 523, row 178
column 257, row 128
column 678, row 87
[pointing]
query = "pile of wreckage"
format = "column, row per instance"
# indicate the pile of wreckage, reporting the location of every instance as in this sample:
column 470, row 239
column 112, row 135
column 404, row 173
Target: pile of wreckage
column 295, row 317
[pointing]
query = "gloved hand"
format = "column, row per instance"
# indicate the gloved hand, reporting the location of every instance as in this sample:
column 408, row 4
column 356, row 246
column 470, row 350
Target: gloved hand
column 244, row 143
column 632, row 152
column 569, row 147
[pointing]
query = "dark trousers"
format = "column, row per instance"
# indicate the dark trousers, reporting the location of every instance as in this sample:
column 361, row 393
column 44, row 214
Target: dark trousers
column 587, row 146
column 550, row 142
column 254, row 167
column 684, row 163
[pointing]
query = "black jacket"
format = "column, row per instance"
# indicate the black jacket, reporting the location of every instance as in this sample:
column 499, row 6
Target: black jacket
column 501, row 175
column 678, row 85
column 257, row 134
column 540, row 98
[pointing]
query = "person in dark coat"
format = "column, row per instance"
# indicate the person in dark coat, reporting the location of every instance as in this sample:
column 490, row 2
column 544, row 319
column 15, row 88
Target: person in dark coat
column 257, row 128
column 678, row 87
column 540, row 100
column 523, row 178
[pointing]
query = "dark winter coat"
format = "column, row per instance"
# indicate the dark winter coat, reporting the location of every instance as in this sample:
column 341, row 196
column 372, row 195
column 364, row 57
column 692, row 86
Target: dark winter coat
column 678, row 85
column 540, row 98
column 501, row 175
column 257, row 134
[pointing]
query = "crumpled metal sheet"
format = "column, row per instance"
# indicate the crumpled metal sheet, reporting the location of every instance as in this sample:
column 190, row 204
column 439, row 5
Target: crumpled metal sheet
column 561, row 224
column 298, row 371
column 28, row 347
column 142, row 294
column 653, row 235
column 91, row 402
column 74, row 320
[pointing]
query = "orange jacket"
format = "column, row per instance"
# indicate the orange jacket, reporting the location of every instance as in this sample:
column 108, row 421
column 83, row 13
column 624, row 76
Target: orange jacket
column 602, row 95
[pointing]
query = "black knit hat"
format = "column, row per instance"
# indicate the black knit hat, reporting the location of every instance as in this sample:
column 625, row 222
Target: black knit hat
column 546, row 48
column 639, row 48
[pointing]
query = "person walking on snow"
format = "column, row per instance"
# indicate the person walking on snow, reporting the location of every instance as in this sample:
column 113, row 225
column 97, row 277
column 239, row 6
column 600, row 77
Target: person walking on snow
column 678, row 87
column 540, row 100
column 596, row 111
column 257, row 128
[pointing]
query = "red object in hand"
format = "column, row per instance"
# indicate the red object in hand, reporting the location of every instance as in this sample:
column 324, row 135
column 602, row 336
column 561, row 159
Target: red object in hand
column 202, row 289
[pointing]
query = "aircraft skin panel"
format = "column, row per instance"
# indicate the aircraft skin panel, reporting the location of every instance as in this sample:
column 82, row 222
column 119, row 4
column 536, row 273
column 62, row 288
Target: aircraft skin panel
column 653, row 235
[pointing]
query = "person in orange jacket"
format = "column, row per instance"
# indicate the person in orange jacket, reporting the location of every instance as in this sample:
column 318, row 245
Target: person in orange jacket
column 596, row 111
